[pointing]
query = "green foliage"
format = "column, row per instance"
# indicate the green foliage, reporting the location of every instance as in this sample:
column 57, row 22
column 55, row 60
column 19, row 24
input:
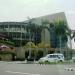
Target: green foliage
column 61, row 27
column 62, row 31
column 43, row 45
column 7, row 52
column 30, row 45
column 7, row 42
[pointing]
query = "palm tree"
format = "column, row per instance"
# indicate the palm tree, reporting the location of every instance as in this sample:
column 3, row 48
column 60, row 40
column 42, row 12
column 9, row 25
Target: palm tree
column 61, row 29
column 50, row 26
column 33, row 31
column 31, row 46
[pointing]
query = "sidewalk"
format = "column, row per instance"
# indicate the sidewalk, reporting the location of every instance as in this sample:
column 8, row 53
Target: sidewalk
column 20, row 62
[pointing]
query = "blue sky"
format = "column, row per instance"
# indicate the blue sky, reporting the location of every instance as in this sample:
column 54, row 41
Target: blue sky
column 19, row 10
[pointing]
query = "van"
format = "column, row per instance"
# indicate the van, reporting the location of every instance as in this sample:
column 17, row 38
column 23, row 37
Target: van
column 55, row 57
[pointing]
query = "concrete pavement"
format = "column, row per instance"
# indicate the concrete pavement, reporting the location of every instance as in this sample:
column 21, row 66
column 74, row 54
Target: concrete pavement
column 34, row 69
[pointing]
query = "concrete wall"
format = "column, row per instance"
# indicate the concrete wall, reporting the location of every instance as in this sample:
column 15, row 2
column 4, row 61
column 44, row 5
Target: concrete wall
column 45, row 36
column 20, row 52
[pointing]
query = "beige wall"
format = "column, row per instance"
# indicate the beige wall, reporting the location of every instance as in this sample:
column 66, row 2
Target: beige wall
column 20, row 52
column 45, row 36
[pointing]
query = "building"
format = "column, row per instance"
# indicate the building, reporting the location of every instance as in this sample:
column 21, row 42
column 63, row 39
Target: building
column 50, row 37
column 16, row 31
column 21, row 33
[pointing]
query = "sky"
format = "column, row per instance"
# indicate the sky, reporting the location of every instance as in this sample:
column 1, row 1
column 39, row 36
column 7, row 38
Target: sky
column 20, row 10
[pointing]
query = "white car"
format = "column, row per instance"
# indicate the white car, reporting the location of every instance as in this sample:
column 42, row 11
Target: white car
column 52, row 58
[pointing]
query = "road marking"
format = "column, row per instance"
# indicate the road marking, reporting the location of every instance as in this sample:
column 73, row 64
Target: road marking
column 21, row 73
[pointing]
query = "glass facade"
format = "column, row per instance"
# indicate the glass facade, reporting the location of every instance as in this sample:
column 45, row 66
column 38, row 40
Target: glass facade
column 18, row 31
column 21, row 34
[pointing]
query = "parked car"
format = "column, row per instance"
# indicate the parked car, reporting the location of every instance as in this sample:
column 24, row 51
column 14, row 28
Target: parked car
column 30, row 59
column 56, row 57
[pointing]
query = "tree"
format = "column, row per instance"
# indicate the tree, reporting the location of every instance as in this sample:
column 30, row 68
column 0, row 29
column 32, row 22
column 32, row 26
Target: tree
column 7, row 41
column 50, row 27
column 61, row 29
column 43, row 45
column 34, row 31
column 32, row 49
column 30, row 45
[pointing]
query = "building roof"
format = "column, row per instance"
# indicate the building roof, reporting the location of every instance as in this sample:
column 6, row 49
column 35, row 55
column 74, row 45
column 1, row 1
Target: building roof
column 38, row 20
column 51, row 18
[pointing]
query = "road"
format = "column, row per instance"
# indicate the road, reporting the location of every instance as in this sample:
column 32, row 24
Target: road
column 34, row 69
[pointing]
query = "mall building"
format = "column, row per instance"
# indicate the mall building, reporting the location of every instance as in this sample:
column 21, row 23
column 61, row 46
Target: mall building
column 21, row 34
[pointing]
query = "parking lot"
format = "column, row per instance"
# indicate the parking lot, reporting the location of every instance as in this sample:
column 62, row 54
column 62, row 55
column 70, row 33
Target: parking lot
column 14, row 68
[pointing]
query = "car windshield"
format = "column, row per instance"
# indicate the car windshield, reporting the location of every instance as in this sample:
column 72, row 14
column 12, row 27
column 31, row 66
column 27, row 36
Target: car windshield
column 53, row 56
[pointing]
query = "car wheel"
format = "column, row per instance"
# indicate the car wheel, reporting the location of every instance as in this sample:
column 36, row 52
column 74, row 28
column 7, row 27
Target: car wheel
column 61, row 61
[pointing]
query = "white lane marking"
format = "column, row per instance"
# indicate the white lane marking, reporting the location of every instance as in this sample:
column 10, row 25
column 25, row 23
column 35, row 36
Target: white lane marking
column 21, row 73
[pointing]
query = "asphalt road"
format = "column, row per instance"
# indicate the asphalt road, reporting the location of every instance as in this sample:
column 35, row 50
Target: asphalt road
column 34, row 69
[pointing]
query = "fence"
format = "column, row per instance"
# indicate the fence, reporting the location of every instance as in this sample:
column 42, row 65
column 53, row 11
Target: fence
column 39, row 52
